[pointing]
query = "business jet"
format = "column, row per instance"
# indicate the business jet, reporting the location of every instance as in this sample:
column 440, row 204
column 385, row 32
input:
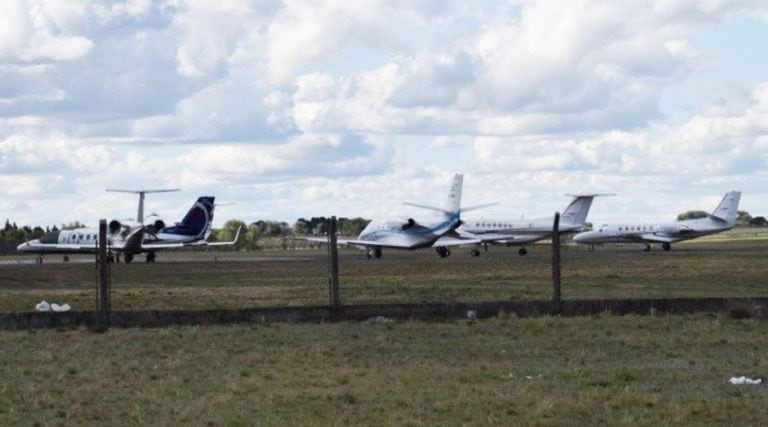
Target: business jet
column 524, row 231
column 721, row 219
column 437, row 231
column 130, row 237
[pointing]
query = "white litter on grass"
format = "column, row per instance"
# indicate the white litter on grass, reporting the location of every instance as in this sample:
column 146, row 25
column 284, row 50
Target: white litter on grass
column 59, row 308
column 471, row 314
column 44, row 306
column 745, row 380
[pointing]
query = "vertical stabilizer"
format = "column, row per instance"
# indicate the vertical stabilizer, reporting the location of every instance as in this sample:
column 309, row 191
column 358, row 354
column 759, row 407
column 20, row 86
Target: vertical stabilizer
column 728, row 208
column 453, row 201
column 577, row 211
column 197, row 220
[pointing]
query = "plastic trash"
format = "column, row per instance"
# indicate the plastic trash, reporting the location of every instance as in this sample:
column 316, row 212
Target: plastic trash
column 471, row 314
column 745, row 380
column 43, row 306
column 60, row 308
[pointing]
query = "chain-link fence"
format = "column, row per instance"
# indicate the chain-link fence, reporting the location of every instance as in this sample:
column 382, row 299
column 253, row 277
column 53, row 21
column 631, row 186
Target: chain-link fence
column 731, row 264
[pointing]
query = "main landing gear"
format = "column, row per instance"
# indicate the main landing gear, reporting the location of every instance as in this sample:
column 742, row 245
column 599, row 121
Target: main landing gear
column 150, row 257
column 370, row 253
column 666, row 246
column 442, row 251
column 522, row 251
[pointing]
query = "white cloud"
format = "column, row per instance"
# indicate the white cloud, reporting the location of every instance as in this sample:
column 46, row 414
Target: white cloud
column 298, row 102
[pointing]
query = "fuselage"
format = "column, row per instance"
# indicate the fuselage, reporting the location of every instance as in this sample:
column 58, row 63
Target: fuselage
column 408, row 234
column 514, row 231
column 644, row 232
column 83, row 240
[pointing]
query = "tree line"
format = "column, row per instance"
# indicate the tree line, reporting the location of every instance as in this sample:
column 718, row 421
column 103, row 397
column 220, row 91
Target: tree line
column 275, row 234
column 743, row 218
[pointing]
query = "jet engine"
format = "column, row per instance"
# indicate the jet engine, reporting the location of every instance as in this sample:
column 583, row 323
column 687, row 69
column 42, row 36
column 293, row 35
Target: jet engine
column 156, row 226
column 114, row 226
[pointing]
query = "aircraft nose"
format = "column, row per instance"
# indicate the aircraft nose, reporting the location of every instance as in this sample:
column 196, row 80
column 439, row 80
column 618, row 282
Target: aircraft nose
column 24, row 245
column 581, row 237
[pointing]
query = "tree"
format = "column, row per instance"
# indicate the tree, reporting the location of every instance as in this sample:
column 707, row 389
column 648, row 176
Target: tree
column 758, row 221
column 743, row 219
column 228, row 232
column 691, row 215
column 300, row 227
column 72, row 225
column 352, row 226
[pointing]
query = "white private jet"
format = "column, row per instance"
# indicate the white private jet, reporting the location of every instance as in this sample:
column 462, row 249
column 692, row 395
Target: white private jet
column 130, row 238
column 437, row 231
column 523, row 231
column 721, row 219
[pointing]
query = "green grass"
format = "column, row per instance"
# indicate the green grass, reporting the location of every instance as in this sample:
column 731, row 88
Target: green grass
column 206, row 280
column 601, row 370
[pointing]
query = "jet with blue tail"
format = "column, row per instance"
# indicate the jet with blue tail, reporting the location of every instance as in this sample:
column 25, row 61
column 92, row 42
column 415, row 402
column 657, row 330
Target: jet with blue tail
column 129, row 238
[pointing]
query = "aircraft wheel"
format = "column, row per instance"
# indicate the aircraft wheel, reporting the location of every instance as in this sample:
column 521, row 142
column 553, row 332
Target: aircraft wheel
column 442, row 251
column 110, row 258
column 666, row 246
column 39, row 259
column 377, row 253
column 475, row 253
column 128, row 258
column 591, row 248
column 150, row 257
column 522, row 251
column 647, row 248
column 66, row 258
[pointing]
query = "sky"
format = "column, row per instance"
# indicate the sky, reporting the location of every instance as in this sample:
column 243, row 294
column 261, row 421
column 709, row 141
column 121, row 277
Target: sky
column 284, row 109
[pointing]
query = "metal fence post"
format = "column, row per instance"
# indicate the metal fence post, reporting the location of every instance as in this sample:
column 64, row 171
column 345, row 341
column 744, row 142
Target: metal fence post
column 104, row 304
column 556, row 261
column 333, row 266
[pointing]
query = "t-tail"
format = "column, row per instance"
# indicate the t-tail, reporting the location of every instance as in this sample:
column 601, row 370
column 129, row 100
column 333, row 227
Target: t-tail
column 577, row 211
column 197, row 221
column 452, row 206
column 453, row 200
column 727, row 210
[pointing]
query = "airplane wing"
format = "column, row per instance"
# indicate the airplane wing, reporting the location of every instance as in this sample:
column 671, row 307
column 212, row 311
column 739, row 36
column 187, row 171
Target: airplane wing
column 513, row 239
column 150, row 246
column 649, row 237
column 455, row 241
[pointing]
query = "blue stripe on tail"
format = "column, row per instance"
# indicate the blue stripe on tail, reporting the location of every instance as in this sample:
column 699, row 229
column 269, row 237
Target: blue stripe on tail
column 197, row 219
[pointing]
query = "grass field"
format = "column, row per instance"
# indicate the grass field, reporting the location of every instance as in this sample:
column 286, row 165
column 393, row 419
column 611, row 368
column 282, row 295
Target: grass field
column 604, row 370
column 717, row 266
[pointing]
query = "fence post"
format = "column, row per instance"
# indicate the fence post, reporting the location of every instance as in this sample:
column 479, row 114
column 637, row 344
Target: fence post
column 104, row 304
column 333, row 266
column 556, row 262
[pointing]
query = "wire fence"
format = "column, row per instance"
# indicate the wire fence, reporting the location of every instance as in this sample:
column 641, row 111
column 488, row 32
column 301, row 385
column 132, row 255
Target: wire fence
column 731, row 264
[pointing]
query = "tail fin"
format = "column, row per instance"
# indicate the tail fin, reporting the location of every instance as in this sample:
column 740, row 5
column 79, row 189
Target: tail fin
column 577, row 210
column 727, row 210
column 197, row 220
column 452, row 202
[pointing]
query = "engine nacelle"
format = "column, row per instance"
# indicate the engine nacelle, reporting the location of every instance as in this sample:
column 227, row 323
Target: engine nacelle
column 674, row 229
column 156, row 226
column 114, row 226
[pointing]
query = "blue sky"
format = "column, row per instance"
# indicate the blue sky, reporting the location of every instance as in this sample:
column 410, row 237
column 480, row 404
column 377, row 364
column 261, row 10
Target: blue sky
column 297, row 108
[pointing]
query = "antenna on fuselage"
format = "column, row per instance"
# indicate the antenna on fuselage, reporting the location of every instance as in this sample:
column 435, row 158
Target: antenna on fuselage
column 141, row 193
